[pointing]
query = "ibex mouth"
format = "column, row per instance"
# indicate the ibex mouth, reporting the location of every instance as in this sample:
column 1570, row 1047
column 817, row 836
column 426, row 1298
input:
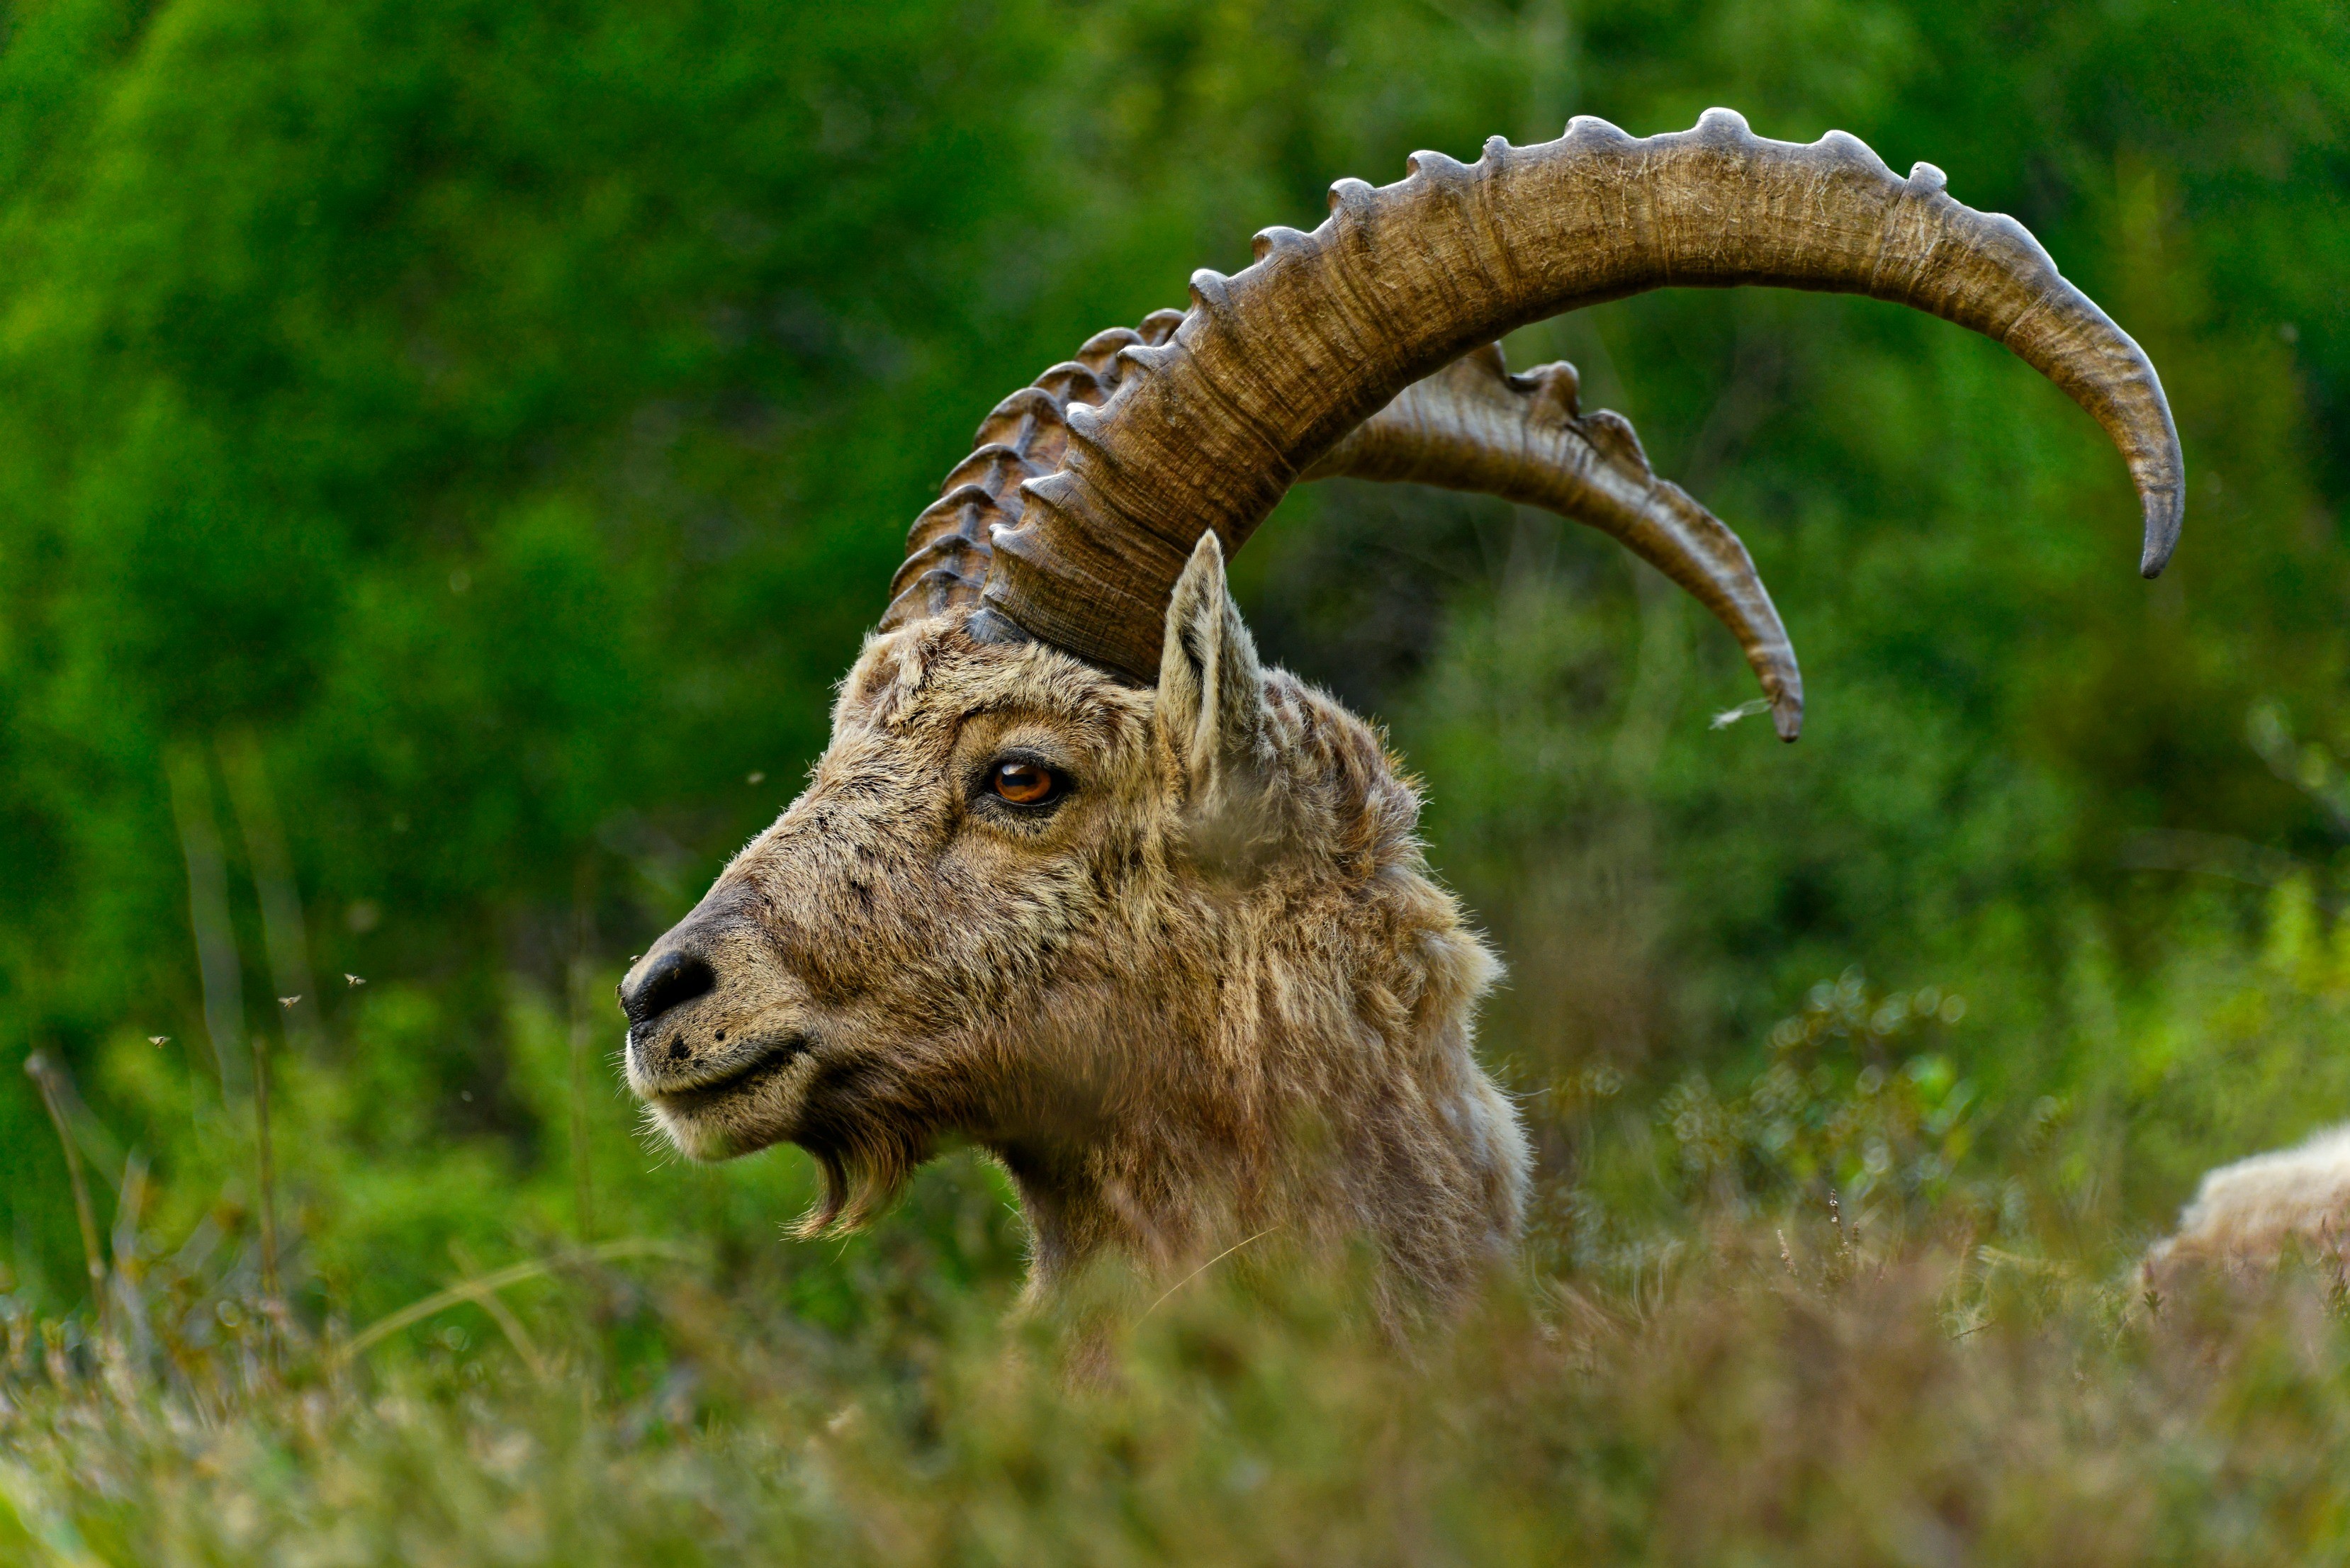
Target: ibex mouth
column 767, row 1060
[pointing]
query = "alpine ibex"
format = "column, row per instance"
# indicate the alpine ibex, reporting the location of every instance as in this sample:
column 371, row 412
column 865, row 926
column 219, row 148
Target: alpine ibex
column 1082, row 883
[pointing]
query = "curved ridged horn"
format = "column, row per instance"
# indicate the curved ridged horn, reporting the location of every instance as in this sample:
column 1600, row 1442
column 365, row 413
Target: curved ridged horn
column 1272, row 367
column 1473, row 426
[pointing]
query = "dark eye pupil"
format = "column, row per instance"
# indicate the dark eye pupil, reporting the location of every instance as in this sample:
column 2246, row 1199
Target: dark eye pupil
column 1022, row 783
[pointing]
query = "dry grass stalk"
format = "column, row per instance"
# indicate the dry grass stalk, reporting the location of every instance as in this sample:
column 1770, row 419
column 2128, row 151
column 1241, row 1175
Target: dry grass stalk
column 50, row 1077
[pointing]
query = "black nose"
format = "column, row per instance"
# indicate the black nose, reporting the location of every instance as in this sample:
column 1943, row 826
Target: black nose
column 673, row 979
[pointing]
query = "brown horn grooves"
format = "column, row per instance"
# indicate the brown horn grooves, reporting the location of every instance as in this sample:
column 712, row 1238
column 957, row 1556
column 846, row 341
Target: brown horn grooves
column 1025, row 436
column 1273, row 366
column 1473, row 426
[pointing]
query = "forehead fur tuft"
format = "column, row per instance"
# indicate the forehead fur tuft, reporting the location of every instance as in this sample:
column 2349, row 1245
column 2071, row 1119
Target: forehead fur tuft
column 934, row 669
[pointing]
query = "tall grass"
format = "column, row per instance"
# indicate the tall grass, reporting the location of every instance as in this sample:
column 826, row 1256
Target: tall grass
column 1845, row 1307
column 1735, row 1392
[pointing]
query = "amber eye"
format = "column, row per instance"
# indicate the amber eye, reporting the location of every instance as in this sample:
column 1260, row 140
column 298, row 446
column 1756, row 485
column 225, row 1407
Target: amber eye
column 1023, row 783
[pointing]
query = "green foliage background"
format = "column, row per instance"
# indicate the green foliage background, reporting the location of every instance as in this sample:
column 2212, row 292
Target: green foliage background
column 476, row 434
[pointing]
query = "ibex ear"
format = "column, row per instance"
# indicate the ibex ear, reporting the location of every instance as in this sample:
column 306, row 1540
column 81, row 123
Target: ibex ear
column 1211, row 715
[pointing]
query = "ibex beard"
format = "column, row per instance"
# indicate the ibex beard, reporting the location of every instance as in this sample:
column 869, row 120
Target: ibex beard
column 1213, row 919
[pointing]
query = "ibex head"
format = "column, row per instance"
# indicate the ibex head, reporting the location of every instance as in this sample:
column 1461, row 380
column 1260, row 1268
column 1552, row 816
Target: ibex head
column 1079, row 881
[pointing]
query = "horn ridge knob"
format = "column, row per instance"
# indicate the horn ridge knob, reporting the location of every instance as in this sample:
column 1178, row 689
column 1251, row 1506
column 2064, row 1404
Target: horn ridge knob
column 1723, row 124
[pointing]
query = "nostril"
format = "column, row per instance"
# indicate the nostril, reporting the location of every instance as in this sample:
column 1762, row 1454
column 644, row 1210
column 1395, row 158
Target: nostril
column 677, row 1050
column 674, row 980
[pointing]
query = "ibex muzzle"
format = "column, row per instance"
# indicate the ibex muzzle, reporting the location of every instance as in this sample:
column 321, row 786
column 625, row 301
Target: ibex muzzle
column 717, row 1021
column 1079, row 881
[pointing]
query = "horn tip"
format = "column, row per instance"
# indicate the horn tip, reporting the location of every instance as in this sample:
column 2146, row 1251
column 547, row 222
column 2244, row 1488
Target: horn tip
column 1783, row 688
column 2162, row 520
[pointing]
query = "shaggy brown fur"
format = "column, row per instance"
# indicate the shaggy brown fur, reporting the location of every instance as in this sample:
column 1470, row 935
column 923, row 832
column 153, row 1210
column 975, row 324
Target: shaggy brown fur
column 1214, row 992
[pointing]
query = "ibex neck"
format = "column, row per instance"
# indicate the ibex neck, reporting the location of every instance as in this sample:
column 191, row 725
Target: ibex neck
column 1160, row 1168
column 1333, row 1103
